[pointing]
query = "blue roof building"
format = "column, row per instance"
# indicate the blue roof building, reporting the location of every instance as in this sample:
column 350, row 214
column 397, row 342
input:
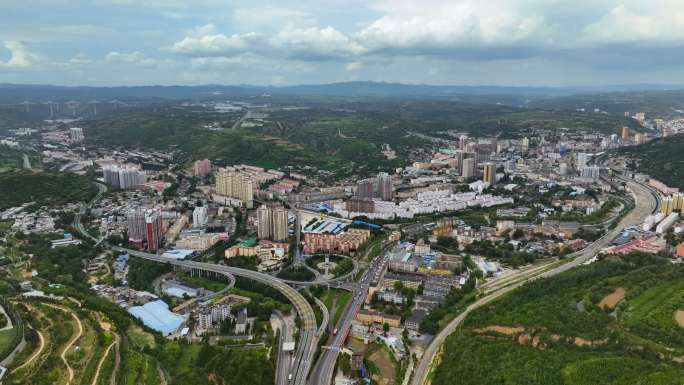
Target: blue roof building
column 157, row 316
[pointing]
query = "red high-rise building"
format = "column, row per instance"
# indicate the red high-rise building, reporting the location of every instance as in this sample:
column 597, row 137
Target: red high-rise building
column 153, row 230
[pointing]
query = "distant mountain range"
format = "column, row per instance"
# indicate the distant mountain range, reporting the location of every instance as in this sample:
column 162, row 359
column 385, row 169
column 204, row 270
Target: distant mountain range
column 16, row 93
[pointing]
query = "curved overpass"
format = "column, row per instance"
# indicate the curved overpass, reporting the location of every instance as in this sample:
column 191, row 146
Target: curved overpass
column 308, row 336
column 307, row 341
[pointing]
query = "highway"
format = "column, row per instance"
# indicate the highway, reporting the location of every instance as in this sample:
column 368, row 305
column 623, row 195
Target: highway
column 646, row 202
column 284, row 358
column 323, row 371
column 307, row 341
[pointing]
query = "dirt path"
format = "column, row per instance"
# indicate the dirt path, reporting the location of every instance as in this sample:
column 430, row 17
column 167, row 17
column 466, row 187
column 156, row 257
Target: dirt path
column 96, row 377
column 679, row 317
column 506, row 330
column 35, row 354
column 71, row 342
column 117, row 363
column 609, row 301
column 162, row 375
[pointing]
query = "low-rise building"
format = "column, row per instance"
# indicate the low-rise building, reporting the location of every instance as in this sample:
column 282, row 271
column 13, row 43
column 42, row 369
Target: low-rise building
column 369, row 317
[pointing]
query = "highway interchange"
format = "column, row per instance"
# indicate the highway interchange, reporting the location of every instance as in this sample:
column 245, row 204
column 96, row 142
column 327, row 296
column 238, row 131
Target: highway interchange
column 299, row 366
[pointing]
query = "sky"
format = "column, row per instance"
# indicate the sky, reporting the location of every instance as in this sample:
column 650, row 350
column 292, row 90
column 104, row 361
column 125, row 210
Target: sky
column 448, row 42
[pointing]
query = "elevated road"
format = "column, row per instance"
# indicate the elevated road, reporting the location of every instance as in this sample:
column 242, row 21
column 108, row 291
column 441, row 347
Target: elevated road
column 645, row 203
column 284, row 358
column 308, row 334
column 323, row 371
column 307, row 340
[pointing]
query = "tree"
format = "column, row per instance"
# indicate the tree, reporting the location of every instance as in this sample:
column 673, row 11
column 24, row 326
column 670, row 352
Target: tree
column 345, row 364
column 398, row 286
column 385, row 328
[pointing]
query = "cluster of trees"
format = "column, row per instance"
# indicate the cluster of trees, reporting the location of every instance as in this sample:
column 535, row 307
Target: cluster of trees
column 228, row 366
column 141, row 273
column 344, row 266
column 455, row 301
column 503, row 252
column 296, row 273
column 59, row 265
column 403, row 310
column 634, row 354
column 44, row 188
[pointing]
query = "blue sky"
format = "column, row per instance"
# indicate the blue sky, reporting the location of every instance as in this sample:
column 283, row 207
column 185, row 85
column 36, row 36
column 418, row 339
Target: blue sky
column 493, row 42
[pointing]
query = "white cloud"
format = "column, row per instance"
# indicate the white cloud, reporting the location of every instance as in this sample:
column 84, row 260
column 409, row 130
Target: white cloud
column 655, row 23
column 432, row 24
column 243, row 60
column 136, row 58
column 315, row 43
column 203, row 30
column 81, row 59
column 266, row 18
column 215, row 45
column 20, row 57
column 311, row 43
column 354, row 66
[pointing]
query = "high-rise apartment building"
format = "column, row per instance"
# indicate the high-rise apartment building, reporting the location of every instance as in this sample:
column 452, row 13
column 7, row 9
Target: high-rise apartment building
column 581, row 160
column 153, row 230
column 279, row 221
column 468, row 168
column 76, row 135
column 525, row 144
column 624, row 133
column 385, row 187
column 638, row 138
column 135, row 219
column 123, row 177
column 462, row 140
column 202, row 167
column 489, row 173
column 272, row 223
column 591, row 172
column 199, row 216
column 145, row 226
column 235, row 185
column 264, row 222
column 365, row 188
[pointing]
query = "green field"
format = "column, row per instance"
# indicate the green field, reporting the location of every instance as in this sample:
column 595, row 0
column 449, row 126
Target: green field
column 7, row 341
column 340, row 297
column 552, row 331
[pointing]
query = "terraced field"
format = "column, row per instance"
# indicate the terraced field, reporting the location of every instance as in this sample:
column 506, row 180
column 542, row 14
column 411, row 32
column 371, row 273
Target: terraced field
column 66, row 345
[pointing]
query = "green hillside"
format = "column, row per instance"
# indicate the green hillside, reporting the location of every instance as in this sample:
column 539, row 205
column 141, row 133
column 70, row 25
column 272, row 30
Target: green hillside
column 662, row 159
column 43, row 188
column 577, row 329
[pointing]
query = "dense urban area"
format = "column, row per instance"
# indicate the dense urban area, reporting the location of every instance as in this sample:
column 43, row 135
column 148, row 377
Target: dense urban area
column 257, row 237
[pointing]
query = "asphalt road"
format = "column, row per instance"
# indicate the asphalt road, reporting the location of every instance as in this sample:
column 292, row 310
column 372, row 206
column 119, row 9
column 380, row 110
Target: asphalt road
column 308, row 337
column 645, row 203
column 284, row 358
column 323, row 371
column 307, row 340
